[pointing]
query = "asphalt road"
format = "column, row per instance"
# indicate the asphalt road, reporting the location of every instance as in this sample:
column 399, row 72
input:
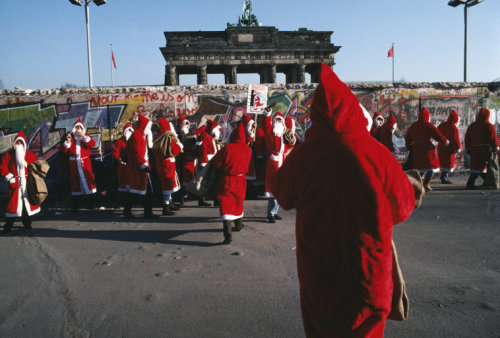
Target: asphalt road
column 96, row 274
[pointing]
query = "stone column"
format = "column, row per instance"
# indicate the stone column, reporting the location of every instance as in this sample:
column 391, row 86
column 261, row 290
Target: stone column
column 315, row 71
column 264, row 75
column 231, row 75
column 272, row 74
column 202, row 75
column 301, row 73
column 171, row 76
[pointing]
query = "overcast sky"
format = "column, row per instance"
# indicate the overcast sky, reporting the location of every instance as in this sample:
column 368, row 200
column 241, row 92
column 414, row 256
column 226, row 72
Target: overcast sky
column 43, row 42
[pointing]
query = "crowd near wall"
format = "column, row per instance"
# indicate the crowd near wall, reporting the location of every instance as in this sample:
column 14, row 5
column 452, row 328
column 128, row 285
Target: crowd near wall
column 45, row 115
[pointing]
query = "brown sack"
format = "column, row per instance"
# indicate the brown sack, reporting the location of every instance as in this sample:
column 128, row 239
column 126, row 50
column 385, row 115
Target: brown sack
column 163, row 144
column 418, row 185
column 400, row 303
column 37, row 189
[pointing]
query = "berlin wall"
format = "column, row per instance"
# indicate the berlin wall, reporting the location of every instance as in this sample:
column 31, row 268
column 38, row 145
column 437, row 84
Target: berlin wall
column 45, row 115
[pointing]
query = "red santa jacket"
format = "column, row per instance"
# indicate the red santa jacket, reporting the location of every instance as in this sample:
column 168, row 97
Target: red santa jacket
column 207, row 147
column 446, row 153
column 480, row 139
column 419, row 136
column 17, row 180
column 119, row 154
column 349, row 191
column 165, row 165
column 385, row 133
column 375, row 128
column 137, row 157
column 232, row 163
column 82, row 178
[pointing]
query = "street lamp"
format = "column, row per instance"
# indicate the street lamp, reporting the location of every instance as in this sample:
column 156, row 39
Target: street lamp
column 87, row 2
column 467, row 4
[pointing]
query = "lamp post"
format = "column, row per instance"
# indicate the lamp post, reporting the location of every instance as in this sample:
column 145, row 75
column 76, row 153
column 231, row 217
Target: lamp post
column 467, row 4
column 87, row 2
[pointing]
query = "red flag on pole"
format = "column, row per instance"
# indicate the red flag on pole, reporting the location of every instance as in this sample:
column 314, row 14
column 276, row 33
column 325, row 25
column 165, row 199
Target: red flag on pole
column 113, row 58
column 390, row 54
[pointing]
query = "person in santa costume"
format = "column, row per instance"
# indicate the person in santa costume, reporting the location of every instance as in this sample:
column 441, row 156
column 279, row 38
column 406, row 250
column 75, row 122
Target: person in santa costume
column 165, row 165
column 446, row 153
column 274, row 128
column 232, row 163
column 419, row 137
column 14, row 168
column 249, row 128
column 480, row 141
column 207, row 147
column 120, row 157
column 348, row 191
column 378, row 121
column 138, row 169
column 77, row 146
column 386, row 131
column 187, row 159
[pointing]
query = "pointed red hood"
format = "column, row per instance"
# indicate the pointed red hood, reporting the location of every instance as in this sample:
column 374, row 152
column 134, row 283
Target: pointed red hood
column 79, row 123
column 424, row 115
column 483, row 115
column 453, row 117
column 336, row 107
column 21, row 137
column 164, row 125
column 181, row 121
column 238, row 135
column 200, row 130
column 289, row 122
column 211, row 125
column 128, row 126
column 142, row 123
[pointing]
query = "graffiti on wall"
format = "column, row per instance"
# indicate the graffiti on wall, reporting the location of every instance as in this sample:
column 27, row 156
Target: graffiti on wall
column 44, row 121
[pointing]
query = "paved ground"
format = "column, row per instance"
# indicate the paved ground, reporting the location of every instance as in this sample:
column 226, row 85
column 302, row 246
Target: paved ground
column 96, row 274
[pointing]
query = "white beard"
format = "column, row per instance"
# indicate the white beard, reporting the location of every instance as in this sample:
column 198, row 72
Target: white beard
column 216, row 133
column 250, row 130
column 20, row 153
column 127, row 133
column 185, row 129
column 278, row 129
column 149, row 139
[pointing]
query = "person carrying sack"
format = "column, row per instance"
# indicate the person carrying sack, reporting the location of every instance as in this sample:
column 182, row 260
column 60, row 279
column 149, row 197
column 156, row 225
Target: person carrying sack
column 37, row 189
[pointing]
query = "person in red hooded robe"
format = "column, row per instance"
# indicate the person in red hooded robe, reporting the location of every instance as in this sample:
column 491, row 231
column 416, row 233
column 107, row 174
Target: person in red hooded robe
column 446, row 153
column 249, row 128
column 378, row 121
column 120, row 157
column 165, row 165
column 274, row 128
column 386, row 132
column 207, row 147
column 232, row 164
column 418, row 137
column 187, row 159
column 77, row 146
column 480, row 141
column 348, row 192
column 138, row 169
column 14, row 168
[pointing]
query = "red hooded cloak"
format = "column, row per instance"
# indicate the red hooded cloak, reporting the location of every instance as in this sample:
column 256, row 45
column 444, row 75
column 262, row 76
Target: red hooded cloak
column 385, row 133
column 480, row 139
column 348, row 191
column 137, row 156
column 446, row 153
column 119, row 154
column 165, row 166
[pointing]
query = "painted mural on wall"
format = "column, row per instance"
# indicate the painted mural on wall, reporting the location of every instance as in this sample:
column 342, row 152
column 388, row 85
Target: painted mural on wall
column 45, row 118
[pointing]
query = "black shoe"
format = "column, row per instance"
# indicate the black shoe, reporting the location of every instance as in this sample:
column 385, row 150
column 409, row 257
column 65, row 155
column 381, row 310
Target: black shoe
column 227, row 240
column 471, row 187
column 278, row 217
column 203, row 204
column 7, row 228
column 238, row 224
column 271, row 219
column 27, row 226
column 150, row 215
column 128, row 215
column 216, row 203
column 167, row 211
column 173, row 206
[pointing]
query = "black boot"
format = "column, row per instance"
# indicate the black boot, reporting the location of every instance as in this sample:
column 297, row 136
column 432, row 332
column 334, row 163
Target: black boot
column 238, row 224
column 8, row 225
column 91, row 203
column 127, row 209
column 202, row 202
column 173, row 207
column 228, row 237
column 25, row 218
column 427, row 180
column 167, row 211
column 471, row 181
column 444, row 178
column 75, row 199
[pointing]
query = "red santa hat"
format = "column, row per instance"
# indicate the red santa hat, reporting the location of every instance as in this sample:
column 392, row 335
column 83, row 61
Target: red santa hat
column 391, row 120
column 238, row 135
column 378, row 116
column 483, row 115
column 21, row 137
column 182, row 121
column 164, row 125
column 277, row 116
column 290, row 122
column 78, row 123
column 453, row 117
column 143, row 123
column 335, row 106
column 424, row 115
column 211, row 126
column 128, row 127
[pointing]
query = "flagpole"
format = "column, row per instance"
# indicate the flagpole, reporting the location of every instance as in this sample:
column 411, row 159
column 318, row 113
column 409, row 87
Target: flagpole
column 393, row 63
column 111, row 64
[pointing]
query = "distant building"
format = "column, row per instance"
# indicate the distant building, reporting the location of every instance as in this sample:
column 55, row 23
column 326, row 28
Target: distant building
column 247, row 47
